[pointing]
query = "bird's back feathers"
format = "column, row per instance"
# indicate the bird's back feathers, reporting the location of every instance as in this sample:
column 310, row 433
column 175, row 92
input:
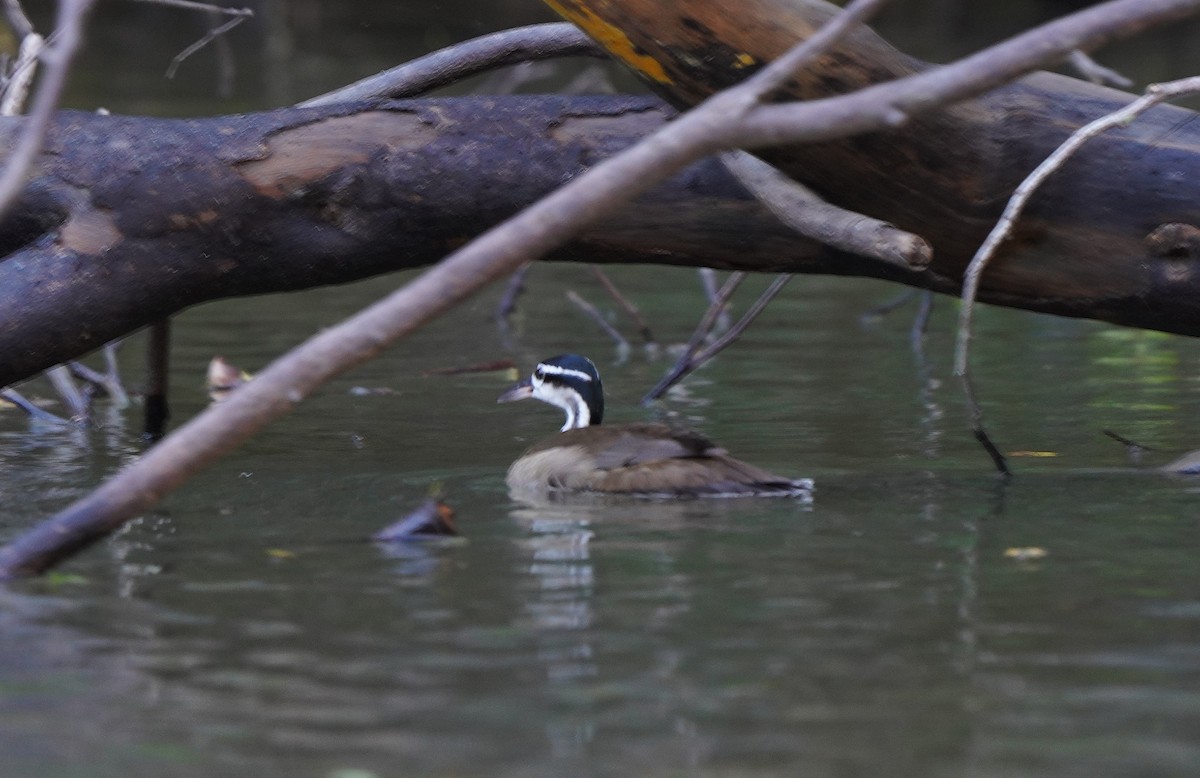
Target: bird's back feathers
column 643, row 459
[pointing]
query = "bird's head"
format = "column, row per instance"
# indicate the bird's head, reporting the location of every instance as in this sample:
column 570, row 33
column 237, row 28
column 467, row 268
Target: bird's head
column 568, row 381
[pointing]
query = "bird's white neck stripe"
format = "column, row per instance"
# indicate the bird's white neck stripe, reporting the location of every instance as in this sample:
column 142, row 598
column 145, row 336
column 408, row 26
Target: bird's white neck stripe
column 556, row 370
column 578, row 413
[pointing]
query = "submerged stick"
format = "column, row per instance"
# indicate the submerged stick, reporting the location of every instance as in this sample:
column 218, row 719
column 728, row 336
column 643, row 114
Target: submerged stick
column 18, row 399
column 693, row 356
column 594, row 314
column 626, row 304
column 979, row 431
column 156, row 409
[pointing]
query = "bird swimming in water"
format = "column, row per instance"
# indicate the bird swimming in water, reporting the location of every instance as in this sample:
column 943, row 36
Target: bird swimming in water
column 643, row 459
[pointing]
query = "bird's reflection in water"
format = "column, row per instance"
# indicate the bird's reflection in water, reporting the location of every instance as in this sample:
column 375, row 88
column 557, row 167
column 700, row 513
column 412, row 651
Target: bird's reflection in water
column 607, row 581
column 560, row 608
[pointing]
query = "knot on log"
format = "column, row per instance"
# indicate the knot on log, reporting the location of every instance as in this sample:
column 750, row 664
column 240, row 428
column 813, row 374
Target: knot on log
column 1174, row 241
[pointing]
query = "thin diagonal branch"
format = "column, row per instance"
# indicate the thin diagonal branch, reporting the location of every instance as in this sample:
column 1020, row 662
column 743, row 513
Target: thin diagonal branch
column 16, row 88
column 717, row 307
column 693, row 358
column 17, row 20
column 593, row 313
column 189, row 5
column 454, row 63
column 893, row 103
column 17, row 399
column 209, row 37
column 627, row 305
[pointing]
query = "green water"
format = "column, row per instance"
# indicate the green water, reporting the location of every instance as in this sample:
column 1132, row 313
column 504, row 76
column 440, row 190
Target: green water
column 246, row 628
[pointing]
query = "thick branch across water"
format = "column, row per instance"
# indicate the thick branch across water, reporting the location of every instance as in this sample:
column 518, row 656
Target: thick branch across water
column 131, row 219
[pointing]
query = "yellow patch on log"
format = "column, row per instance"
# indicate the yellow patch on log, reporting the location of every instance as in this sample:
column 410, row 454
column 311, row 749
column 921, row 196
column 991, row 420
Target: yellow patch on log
column 300, row 156
column 611, row 38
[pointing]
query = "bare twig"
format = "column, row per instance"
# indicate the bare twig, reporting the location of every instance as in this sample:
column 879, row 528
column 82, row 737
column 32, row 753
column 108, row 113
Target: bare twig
column 977, row 429
column 156, row 409
column 887, row 306
column 1095, row 72
column 239, row 15
column 189, row 5
column 209, row 37
column 67, row 389
column 708, row 279
column 594, row 314
column 109, row 381
column 752, row 313
column 17, row 399
column 512, row 291
column 58, row 56
column 521, row 44
column 718, row 308
column 16, row 89
column 893, row 103
column 626, row 304
column 803, row 210
column 1126, row 441
column 112, row 373
column 17, row 20
column 1133, row 449
column 920, row 325
column 694, row 356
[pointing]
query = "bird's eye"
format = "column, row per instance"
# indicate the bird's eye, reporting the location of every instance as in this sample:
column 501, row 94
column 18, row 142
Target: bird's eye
column 539, row 374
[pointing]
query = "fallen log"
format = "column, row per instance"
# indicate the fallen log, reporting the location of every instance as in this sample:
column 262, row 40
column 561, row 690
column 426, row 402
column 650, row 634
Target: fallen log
column 130, row 219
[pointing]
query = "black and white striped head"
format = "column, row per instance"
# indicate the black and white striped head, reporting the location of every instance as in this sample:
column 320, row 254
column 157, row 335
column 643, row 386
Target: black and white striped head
column 568, row 381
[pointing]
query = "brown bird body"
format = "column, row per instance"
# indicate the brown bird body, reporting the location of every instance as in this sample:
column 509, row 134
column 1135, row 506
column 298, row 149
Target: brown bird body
column 642, row 459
